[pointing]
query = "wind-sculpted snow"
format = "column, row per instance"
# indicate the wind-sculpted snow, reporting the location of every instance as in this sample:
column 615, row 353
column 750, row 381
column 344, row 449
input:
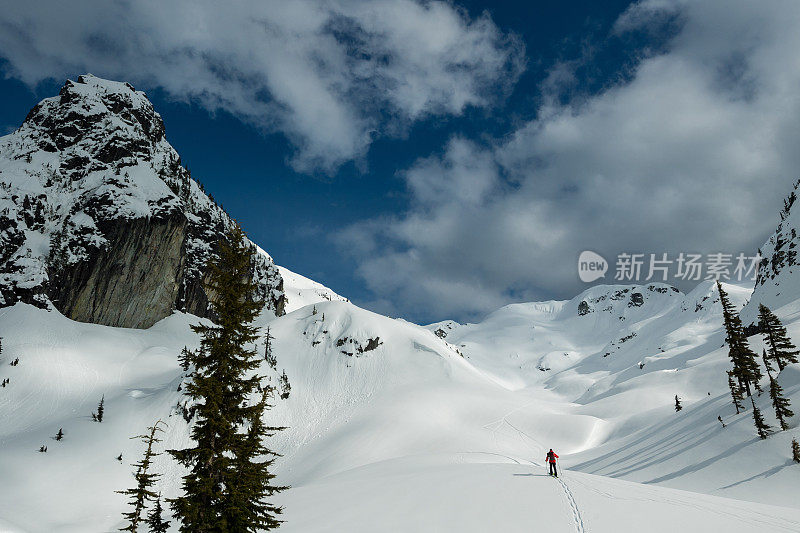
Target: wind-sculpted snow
column 88, row 180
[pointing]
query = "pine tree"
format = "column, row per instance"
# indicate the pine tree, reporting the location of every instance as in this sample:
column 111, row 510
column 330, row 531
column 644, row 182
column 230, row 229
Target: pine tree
column 268, row 356
column 314, row 311
column 736, row 393
column 185, row 358
column 761, row 426
column 253, row 481
column 745, row 368
column 60, row 434
column 98, row 416
column 795, row 451
column 226, row 486
column 678, row 405
column 781, row 349
column 780, row 403
column 155, row 523
column 285, row 387
column 144, row 480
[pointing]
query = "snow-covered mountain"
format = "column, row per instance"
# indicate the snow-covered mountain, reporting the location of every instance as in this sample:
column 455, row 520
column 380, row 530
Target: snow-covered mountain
column 99, row 217
column 392, row 426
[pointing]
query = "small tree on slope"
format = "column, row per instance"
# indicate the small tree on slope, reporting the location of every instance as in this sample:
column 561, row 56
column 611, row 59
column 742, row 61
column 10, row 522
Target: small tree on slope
column 745, row 368
column 678, row 405
column 155, row 522
column 795, row 451
column 780, row 347
column 98, row 416
column 225, row 487
column 268, row 356
column 761, row 426
column 144, row 480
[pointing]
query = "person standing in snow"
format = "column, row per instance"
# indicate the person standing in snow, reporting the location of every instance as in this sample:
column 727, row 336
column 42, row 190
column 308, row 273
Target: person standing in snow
column 551, row 458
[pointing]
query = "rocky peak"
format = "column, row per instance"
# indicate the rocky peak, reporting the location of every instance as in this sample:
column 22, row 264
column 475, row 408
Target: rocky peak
column 95, row 205
column 109, row 121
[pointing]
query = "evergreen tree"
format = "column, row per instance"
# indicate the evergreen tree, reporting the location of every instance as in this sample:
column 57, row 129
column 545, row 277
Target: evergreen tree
column 781, row 349
column 144, row 480
column 268, row 356
column 736, row 393
column 795, row 451
column 678, row 405
column 745, row 368
column 155, row 523
column 254, row 481
column 185, row 358
column 285, row 387
column 226, row 486
column 60, row 434
column 98, row 416
column 767, row 363
column 314, row 311
column 761, row 426
column 780, row 403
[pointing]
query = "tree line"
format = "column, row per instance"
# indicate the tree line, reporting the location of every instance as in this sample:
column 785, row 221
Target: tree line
column 745, row 376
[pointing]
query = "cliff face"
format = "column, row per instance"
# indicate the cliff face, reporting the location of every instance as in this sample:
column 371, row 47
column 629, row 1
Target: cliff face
column 99, row 218
column 778, row 277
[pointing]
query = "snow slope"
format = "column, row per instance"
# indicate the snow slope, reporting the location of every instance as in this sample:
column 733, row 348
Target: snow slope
column 301, row 291
column 393, row 428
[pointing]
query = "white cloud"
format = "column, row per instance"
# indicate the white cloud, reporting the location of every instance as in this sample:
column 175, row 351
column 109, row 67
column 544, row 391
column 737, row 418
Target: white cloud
column 693, row 153
column 332, row 75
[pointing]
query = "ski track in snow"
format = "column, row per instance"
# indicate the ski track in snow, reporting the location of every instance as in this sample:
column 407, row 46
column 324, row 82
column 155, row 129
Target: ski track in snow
column 576, row 513
column 495, row 425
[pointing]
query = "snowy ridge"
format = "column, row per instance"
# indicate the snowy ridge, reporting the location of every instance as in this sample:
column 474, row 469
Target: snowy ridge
column 301, row 291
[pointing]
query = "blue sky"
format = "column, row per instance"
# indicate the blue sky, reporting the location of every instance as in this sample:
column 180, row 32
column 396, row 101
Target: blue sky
column 479, row 183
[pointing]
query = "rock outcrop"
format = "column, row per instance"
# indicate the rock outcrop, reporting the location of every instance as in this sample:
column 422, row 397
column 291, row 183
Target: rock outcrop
column 778, row 277
column 99, row 218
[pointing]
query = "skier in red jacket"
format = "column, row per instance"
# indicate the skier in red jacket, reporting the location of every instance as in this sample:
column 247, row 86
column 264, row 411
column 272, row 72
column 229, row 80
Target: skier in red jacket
column 551, row 458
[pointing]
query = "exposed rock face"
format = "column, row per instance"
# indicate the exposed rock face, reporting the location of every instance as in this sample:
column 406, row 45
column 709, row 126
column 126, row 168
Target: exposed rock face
column 99, row 218
column 133, row 281
column 778, row 277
